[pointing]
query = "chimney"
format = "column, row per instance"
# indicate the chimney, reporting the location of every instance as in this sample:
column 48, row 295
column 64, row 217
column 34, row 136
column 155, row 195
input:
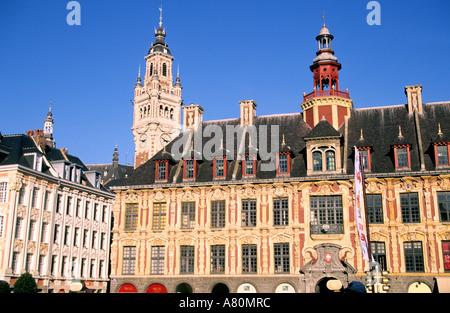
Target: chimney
column 192, row 116
column 38, row 137
column 414, row 96
column 248, row 112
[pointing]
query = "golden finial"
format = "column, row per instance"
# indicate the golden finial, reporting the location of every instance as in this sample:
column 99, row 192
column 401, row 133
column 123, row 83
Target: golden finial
column 440, row 131
column 400, row 131
column 283, row 143
column 362, row 137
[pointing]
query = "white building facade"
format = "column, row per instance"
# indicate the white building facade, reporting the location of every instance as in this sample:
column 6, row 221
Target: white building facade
column 55, row 217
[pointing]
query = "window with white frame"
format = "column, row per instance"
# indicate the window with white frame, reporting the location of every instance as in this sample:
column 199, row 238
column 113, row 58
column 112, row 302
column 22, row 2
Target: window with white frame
column 3, row 192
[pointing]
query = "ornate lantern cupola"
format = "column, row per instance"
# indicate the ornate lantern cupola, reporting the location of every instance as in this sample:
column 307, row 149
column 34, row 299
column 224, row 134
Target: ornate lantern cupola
column 326, row 100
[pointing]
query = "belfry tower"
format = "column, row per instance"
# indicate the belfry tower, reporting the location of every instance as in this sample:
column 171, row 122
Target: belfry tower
column 48, row 127
column 327, row 100
column 157, row 102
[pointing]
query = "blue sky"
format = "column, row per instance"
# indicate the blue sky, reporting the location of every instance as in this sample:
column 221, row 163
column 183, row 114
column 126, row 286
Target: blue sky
column 227, row 51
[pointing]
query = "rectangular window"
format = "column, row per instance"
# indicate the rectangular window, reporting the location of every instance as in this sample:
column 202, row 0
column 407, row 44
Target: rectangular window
column 283, row 164
column 366, row 158
column 2, row 225
column 161, row 174
column 446, row 255
column 159, row 215
column 218, row 259
column 218, row 214
column 58, row 203
column 378, row 250
column 44, row 232
column 41, row 265
column 15, row 262
column 413, row 257
column 31, row 230
column 21, row 194
column 444, row 205
column 188, row 215
column 157, row 261
column 18, row 233
column 28, row 262
column 281, row 211
column 248, row 213
column 34, row 197
column 402, row 157
column 66, row 235
column 249, row 165
column 374, row 209
column 87, row 212
column 69, row 206
column 249, row 259
column 46, row 201
column 3, row 192
column 442, row 155
column 95, row 213
column 327, row 215
column 219, row 166
column 187, row 256
column 189, row 169
column 281, row 257
column 76, row 236
column 129, row 260
column 131, row 215
column 410, row 207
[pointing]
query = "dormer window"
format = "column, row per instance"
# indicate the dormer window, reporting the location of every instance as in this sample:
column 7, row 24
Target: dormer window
column 283, row 163
column 220, row 167
column 441, row 152
column 35, row 161
column 402, row 157
column 365, row 152
column 323, row 149
column 189, row 169
column 324, row 159
column 248, row 165
column 162, row 167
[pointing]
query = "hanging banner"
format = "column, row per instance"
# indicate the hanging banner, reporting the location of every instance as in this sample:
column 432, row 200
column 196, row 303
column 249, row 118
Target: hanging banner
column 359, row 203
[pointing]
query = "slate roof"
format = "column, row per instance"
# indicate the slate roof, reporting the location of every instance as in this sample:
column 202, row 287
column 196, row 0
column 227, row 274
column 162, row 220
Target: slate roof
column 13, row 150
column 380, row 127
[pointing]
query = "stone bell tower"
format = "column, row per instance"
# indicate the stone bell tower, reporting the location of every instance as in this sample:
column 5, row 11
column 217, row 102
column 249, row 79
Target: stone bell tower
column 157, row 102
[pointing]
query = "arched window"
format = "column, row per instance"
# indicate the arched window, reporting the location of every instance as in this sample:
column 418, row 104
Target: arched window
column 317, row 161
column 164, row 69
column 330, row 160
column 171, row 114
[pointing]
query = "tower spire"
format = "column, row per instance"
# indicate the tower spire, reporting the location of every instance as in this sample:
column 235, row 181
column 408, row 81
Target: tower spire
column 324, row 18
column 160, row 16
column 48, row 126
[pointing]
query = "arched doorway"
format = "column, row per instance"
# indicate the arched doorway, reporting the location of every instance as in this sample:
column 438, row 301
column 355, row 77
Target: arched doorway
column 220, row 288
column 156, row 288
column 127, row 288
column 183, row 288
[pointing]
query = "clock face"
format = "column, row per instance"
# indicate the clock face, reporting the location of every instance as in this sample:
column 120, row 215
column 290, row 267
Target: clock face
column 165, row 139
column 142, row 141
